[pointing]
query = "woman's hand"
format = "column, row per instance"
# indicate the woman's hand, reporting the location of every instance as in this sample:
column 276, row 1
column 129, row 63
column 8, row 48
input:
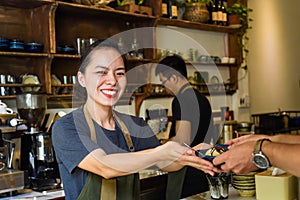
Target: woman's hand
column 179, row 156
column 190, row 159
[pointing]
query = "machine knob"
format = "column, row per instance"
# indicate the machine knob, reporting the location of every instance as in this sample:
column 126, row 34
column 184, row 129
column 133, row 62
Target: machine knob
column 2, row 156
column 15, row 122
column 2, row 163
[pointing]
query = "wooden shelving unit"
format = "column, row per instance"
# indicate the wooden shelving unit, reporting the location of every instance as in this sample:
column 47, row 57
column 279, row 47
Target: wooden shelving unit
column 53, row 22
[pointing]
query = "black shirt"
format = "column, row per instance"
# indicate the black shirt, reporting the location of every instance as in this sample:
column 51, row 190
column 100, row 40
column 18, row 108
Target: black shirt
column 190, row 105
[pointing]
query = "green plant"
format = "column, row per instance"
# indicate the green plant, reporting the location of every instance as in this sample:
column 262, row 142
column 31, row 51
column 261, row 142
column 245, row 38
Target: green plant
column 242, row 11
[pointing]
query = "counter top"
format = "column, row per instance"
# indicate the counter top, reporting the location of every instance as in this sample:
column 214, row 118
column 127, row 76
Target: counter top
column 59, row 193
column 233, row 195
column 45, row 195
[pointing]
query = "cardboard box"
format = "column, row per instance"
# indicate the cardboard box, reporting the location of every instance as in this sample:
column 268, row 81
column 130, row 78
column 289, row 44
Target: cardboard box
column 280, row 187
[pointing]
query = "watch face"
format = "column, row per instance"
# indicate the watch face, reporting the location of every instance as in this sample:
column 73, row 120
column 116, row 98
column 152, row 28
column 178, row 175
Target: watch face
column 261, row 161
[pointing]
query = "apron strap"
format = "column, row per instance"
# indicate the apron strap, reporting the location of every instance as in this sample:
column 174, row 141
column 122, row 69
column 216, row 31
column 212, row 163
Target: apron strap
column 184, row 88
column 109, row 186
column 125, row 132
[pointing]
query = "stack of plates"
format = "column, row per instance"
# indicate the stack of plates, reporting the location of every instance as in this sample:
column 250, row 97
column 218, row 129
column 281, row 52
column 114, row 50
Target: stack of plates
column 244, row 184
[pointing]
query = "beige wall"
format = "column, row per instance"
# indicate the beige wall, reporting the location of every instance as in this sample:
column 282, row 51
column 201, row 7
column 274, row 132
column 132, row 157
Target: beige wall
column 274, row 71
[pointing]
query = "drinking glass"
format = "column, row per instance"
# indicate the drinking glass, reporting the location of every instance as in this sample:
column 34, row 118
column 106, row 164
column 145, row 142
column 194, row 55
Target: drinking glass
column 218, row 185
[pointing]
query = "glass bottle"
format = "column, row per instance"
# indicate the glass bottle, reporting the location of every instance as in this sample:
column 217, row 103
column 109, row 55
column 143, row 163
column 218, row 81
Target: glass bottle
column 214, row 12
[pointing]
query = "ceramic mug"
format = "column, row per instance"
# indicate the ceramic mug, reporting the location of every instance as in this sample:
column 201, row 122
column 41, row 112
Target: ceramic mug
column 4, row 109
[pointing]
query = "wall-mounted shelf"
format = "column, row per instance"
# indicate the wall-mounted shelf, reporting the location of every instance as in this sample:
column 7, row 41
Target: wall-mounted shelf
column 196, row 25
column 51, row 22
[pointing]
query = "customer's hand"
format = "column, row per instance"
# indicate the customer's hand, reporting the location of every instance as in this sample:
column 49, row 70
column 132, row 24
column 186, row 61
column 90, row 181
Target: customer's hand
column 238, row 158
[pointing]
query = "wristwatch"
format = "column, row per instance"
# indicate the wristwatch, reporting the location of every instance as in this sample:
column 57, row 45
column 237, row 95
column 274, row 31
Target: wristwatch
column 259, row 159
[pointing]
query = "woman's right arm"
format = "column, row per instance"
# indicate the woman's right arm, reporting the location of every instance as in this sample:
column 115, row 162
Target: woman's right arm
column 170, row 156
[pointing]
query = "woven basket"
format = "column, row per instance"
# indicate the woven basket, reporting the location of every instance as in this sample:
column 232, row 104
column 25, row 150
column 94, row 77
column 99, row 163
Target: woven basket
column 196, row 12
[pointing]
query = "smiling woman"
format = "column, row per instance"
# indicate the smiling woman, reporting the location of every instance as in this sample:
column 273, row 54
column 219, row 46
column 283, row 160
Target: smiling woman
column 101, row 68
column 104, row 78
column 98, row 147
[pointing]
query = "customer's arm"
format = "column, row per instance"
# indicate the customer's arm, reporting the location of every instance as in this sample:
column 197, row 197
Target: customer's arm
column 282, row 138
column 283, row 156
column 286, row 138
column 239, row 157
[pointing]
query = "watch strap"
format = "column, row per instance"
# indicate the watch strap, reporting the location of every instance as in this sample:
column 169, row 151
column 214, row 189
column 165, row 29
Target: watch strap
column 258, row 145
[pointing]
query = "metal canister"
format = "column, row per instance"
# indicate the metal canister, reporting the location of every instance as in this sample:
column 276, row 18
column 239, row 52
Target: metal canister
column 228, row 131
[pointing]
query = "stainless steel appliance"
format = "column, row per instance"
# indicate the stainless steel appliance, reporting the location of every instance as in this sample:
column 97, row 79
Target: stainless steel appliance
column 11, row 179
column 37, row 158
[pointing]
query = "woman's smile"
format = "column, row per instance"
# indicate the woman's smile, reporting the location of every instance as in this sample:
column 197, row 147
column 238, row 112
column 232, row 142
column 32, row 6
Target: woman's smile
column 110, row 93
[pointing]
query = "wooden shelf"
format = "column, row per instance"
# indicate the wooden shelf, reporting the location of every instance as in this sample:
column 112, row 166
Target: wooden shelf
column 62, row 85
column 93, row 10
column 71, row 56
column 20, row 85
column 23, row 54
column 60, row 96
column 52, row 22
column 27, row 4
column 196, row 25
column 212, row 64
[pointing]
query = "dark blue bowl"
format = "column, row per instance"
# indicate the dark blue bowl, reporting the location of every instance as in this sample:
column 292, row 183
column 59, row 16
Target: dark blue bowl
column 59, row 48
column 4, row 40
column 4, row 44
column 68, row 49
column 16, row 45
column 34, row 47
column 4, row 47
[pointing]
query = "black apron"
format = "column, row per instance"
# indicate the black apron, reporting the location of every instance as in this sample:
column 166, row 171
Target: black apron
column 124, row 187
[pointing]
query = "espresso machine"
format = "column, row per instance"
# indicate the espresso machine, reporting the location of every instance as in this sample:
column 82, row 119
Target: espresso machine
column 37, row 158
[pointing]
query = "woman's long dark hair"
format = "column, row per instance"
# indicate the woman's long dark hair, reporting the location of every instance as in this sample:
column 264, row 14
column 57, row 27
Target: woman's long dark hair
column 79, row 92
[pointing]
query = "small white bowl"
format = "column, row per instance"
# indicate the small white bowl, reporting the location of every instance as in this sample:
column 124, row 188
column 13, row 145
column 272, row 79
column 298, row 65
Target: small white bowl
column 225, row 59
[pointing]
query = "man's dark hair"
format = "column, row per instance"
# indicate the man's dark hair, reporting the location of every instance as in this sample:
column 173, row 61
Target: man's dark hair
column 171, row 65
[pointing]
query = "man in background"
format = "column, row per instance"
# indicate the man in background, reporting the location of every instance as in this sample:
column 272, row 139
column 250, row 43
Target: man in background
column 191, row 117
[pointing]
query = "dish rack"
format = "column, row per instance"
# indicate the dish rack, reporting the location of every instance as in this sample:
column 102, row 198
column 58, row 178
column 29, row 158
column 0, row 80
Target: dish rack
column 277, row 122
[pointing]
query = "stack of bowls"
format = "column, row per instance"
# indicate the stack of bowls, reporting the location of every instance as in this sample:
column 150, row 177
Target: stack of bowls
column 4, row 44
column 16, row 45
column 244, row 184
